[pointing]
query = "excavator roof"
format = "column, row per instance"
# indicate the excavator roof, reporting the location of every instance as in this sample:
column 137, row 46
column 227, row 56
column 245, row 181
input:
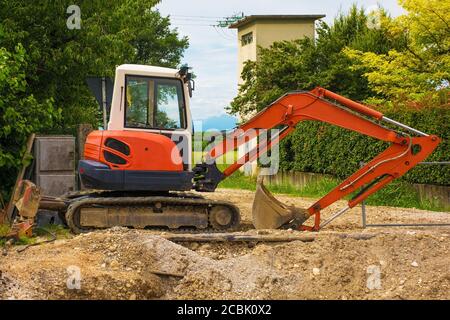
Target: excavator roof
column 139, row 69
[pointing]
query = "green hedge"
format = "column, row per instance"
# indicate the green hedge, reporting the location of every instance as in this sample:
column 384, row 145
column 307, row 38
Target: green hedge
column 322, row 148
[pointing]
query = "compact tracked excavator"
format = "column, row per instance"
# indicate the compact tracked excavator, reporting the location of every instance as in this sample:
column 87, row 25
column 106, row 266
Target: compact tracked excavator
column 138, row 172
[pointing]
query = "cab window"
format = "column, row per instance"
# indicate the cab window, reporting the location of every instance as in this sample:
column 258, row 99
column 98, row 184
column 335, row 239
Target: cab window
column 154, row 103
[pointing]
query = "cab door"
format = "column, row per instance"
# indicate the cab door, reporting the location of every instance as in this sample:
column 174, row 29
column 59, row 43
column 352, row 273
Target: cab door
column 159, row 105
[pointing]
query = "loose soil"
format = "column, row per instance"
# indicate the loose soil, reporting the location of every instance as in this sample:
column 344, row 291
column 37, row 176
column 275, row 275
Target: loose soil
column 397, row 263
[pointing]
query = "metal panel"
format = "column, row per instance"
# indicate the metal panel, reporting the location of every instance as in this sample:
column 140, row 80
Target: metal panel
column 55, row 164
column 56, row 185
column 55, row 153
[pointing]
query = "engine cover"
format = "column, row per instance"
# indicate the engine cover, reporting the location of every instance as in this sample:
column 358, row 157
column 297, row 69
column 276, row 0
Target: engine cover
column 128, row 160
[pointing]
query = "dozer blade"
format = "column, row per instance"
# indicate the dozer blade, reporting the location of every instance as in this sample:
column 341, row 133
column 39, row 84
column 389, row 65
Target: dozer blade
column 269, row 213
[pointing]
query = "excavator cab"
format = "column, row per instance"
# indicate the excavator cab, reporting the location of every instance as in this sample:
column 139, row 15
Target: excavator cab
column 148, row 142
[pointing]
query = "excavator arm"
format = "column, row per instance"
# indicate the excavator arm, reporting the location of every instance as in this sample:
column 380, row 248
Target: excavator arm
column 405, row 151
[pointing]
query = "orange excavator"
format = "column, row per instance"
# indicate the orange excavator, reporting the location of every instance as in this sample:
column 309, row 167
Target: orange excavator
column 138, row 172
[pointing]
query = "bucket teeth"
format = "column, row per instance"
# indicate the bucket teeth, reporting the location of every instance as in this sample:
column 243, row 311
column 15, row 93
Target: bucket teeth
column 269, row 213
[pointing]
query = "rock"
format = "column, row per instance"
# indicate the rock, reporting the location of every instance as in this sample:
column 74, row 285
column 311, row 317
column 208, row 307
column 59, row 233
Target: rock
column 114, row 264
column 103, row 265
column 194, row 246
column 205, row 247
column 214, row 255
column 316, row 271
column 414, row 264
column 251, row 244
column 132, row 297
column 227, row 286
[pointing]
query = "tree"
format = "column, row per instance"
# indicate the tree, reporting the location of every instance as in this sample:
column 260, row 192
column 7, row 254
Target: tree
column 306, row 63
column 59, row 59
column 423, row 67
column 44, row 64
column 20, row 114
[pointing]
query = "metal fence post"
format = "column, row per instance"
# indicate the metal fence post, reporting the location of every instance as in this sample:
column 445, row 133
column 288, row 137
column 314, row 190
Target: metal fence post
column 363, row 203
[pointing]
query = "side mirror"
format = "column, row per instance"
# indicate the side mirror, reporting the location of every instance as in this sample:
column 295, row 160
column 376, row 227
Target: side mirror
column 191, row 86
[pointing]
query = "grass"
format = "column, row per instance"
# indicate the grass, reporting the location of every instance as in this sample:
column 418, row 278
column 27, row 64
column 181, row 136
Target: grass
column 4, row 230
column 396, row 194
column 59, row 231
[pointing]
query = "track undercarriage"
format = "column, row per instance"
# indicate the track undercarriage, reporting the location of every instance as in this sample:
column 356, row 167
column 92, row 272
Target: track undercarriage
column 84, row 212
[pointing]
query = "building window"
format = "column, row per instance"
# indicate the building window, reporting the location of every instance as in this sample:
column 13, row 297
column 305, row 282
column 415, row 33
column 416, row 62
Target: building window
column 247, row 38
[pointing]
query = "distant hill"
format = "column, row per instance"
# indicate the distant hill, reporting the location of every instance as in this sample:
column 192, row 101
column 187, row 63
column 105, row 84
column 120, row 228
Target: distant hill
column 222, row 122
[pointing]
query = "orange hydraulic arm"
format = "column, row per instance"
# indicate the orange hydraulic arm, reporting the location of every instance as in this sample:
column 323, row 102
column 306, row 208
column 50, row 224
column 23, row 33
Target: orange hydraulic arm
column 404, row 153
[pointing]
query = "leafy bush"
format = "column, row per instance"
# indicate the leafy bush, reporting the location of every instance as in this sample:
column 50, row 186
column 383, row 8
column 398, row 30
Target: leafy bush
column 20, row 114
column 356, row 61
column 322, row 148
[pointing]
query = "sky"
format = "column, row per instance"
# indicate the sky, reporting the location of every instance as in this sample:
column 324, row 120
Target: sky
column 212, row 51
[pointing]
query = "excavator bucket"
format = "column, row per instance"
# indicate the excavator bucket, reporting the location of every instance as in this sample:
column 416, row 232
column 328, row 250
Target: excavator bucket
column 269, row 213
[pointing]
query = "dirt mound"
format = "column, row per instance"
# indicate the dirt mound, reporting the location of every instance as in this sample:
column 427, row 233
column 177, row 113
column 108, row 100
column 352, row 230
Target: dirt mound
column 124, row 264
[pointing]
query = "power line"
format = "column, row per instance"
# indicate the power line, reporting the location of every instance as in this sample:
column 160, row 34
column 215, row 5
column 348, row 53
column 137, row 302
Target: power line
column 192, row 24
column 226, row 36
column 222, row 34
column 186, row 16
column 194, row 19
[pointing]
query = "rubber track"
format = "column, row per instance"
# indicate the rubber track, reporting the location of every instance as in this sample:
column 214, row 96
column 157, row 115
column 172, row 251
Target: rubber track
column 73, row 209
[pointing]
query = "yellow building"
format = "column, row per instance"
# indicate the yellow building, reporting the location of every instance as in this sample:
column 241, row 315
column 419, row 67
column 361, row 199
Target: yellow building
column 263, row 30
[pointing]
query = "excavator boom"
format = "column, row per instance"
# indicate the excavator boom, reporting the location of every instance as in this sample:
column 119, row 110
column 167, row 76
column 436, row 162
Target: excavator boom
column 405, row 151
